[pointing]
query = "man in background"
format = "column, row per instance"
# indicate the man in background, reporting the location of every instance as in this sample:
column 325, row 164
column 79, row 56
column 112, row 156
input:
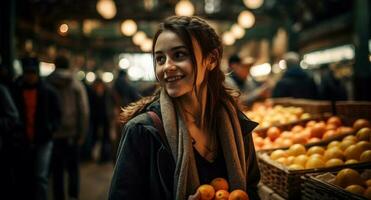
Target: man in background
column 67, row 140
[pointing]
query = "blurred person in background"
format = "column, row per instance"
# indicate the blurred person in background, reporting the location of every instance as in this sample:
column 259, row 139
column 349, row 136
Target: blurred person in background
column 330, row 87
column 67, row 140
column 103, row 103
column 189, row 132
column 40, row 115
column 124, row 94
column 295, row 82
column 9, row 118
column 240, row 79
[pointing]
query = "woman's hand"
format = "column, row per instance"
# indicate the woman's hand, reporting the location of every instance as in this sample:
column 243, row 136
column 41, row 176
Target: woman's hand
column 196, row 196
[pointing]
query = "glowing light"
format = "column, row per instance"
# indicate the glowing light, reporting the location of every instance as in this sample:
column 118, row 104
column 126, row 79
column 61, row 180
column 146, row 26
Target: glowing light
column 228, row 38
column 107, row 77
column 282, row 64
column 184, row 8
column 80, row 75
column 129, row 27
column 146, row 46
column 63, row 29
column 246, row 19
column 124, row 63
column 139, row 37
column 345, row 52
column 46, row 68
column 260, row 70
column 253, row 4
column 90, row 77
column 237, row 31
column 135, row 73
column 106, row 8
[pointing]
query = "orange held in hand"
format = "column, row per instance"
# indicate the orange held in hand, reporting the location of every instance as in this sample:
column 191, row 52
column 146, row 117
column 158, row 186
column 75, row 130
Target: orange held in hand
column 220, row 184
column 238, row 195
column 207, row 192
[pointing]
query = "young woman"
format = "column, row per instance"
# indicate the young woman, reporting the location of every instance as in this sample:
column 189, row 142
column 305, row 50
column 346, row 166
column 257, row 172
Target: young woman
column 191, row 131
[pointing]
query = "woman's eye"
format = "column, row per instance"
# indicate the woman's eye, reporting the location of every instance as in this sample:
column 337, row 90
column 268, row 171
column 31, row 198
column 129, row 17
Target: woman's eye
column 160, row 60
column 180, row 54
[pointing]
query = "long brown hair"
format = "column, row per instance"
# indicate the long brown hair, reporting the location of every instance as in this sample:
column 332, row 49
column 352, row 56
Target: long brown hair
column 217, row 94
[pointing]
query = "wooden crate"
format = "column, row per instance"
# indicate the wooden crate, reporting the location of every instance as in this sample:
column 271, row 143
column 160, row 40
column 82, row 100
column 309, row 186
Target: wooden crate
column 315, row 188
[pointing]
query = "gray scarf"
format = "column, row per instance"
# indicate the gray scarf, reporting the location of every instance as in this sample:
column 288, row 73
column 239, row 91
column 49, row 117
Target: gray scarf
column 186, row 178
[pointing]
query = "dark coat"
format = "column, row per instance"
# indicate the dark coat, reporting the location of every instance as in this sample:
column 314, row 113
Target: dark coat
column 145, row 166
column 296, row 83
column 48, row 111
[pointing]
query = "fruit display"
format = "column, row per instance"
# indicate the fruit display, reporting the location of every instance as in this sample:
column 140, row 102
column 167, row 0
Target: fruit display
column 313, row 131
column 352, row 149
column 354, row 182
column 276, row 115
column 218, row 189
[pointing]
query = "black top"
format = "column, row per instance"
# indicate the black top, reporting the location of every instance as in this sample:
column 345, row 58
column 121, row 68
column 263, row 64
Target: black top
column 207, row 171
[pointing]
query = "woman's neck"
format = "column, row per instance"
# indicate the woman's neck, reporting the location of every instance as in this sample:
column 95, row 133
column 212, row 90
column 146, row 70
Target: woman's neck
column 193, row 107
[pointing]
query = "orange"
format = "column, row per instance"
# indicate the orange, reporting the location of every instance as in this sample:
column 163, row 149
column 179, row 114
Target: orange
column 345, row 144
column 221, row 195
column 365, row 156
column 334, row 152
column 335, row 120
column 329, row 134
column 364, row 134
column 296, row 149
column 367, row 193
column 273, row 133
column 297, row 128
column 301, row 160
column 314, row 162
column 348, row 177
column 296, row 167
column 315, row 149
column 364, row 145
column 361, row 123
column 351, row 161
column 207, row 192
column 318, row 130
column 278, row 154
column 368, row 183
column 353, row 152
column 356, row 189
column 333, row 144
column 238, row 195
column 219, row 184
column 334, row 162
column 351, row 137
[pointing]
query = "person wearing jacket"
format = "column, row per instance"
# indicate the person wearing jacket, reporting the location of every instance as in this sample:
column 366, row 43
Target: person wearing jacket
column 40, row 116
column 191, row 131
column 295, row 82
column 67, row 140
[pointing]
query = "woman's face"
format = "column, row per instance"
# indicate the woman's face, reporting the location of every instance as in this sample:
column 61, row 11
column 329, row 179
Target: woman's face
column 173, row 64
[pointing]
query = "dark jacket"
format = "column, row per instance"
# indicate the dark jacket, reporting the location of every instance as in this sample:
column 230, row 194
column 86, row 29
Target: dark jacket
column 296, row 83
column 48, row 111
column 145, row 166
column 8, row 116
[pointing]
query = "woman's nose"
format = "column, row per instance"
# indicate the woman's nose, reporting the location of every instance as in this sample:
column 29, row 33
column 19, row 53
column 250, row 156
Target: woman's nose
column 169, row 65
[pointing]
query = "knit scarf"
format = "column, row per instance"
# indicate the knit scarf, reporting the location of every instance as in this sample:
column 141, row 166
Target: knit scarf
column 186, row 178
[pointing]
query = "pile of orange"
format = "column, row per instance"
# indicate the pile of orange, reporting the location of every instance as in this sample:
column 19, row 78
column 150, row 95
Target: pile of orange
column 352, row 181
column 218, row 189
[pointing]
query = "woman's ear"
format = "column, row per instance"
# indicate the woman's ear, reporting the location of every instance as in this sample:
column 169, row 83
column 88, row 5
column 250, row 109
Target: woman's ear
column 212, row 60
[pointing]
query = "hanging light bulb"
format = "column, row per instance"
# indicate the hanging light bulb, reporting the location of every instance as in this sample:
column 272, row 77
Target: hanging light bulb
column 246, row 19
column 106, row 8
column 139, row 37
column 228, row 38
column 184, row 8
column 237, row 31
column 253, row 4
column 129, row 27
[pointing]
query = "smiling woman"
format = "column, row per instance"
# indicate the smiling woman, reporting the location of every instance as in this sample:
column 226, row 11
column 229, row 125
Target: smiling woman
column 190, row 131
